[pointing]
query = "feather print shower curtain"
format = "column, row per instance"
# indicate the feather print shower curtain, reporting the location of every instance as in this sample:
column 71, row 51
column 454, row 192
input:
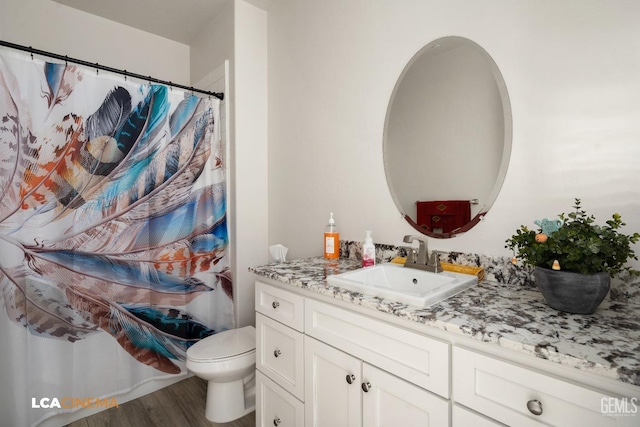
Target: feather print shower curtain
column 113, row 235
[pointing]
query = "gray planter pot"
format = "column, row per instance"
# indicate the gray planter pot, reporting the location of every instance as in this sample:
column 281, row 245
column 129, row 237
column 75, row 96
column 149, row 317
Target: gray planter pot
column 572, row 292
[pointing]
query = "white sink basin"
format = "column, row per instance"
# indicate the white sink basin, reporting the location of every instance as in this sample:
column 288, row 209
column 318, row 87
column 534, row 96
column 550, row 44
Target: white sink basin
column 407, row 285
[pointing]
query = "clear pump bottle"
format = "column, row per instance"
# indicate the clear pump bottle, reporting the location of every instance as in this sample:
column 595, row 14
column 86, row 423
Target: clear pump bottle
column 368, row 251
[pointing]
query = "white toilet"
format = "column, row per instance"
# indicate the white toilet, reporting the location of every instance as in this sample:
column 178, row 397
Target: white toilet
column 227, row 360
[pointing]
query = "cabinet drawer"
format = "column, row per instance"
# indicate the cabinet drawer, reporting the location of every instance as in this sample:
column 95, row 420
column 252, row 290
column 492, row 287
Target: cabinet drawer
column 280, row 354
column 502, row 390
column 278, row 304
column 276, row 407
column 416, row 358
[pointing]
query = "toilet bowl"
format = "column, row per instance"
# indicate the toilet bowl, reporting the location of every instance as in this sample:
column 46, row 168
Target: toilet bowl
column 227, row 360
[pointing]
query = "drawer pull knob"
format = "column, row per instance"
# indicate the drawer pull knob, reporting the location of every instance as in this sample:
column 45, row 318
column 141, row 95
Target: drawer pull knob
column 277, row 352
column 351, row 378
column 366, row 386
column 276, row 421
column 275, row 304
column 535, row 407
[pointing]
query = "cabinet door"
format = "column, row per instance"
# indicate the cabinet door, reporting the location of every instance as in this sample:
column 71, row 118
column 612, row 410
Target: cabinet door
column 276, row 407
column 463, row 417
column 390, row 401
column 332, row 379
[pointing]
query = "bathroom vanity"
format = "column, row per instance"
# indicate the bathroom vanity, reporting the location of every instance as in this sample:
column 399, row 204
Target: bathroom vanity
column 492, row 355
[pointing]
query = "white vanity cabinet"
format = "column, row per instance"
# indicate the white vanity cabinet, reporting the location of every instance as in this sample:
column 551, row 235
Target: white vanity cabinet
column 326, row 364
column 340, row 368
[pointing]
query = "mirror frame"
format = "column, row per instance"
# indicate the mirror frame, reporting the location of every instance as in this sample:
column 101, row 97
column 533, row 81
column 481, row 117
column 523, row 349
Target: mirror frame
column 507, row 140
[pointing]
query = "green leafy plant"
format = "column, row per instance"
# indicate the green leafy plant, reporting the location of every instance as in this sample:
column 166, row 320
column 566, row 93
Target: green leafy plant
column 580, row 245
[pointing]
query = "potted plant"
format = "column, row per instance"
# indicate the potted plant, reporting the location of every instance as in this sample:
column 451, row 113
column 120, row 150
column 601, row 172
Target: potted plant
column 574, row 258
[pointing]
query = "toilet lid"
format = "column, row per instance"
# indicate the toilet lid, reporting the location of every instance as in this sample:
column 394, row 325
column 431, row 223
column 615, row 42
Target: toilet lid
column 224, row 344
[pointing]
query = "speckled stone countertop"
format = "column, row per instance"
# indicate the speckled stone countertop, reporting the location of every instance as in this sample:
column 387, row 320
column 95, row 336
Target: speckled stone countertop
column 514, row 317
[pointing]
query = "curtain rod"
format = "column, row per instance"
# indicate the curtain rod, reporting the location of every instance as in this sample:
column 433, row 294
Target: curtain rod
column 125, row 73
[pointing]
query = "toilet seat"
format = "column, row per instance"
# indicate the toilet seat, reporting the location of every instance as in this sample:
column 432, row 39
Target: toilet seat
column 224, row 345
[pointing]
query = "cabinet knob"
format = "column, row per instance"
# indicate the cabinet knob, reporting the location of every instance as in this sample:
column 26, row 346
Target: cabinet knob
column 535, row 407
column 366, row 386
column 276, row 421
column 277, row 352
column 275, row 304
column 351, row 378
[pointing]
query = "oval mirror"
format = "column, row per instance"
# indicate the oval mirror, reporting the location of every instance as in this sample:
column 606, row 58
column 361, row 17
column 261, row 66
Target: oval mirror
column 447, row 137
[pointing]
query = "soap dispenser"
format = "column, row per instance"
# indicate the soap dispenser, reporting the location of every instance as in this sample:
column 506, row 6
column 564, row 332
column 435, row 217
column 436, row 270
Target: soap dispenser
column 331, row 240
column 368, row 251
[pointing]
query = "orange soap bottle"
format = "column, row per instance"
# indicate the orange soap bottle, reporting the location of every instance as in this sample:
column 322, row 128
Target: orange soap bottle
column 331, row 240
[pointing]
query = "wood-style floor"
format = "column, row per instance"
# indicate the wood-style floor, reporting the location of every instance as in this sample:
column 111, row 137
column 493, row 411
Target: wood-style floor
column 181, row 405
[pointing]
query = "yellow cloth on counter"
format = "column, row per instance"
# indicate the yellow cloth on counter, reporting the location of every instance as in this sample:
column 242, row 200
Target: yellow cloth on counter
column 447, row 266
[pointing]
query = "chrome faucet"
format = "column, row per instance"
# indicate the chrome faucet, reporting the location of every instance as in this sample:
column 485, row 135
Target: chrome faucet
column 420, row 261
column 422, row 250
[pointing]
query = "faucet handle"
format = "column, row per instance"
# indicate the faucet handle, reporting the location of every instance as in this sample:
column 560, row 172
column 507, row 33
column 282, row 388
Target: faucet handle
column 434, row 262
column 411, row 256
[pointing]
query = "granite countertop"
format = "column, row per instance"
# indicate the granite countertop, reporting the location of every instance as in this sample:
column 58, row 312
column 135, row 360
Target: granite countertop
column 514, row 317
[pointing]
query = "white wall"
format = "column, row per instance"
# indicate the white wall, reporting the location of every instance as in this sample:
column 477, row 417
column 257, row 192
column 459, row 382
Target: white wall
column 56, row 28
column 249, row 152
column 213, row 45
column 239, row 35
column 573, row 74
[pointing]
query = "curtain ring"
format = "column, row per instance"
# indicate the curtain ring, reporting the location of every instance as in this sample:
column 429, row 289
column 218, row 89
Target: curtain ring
column 97, row 68
column 125, row 75
column 31, row 51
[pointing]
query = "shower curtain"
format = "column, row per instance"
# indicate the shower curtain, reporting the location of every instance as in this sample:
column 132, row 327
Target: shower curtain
column 113, row 235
